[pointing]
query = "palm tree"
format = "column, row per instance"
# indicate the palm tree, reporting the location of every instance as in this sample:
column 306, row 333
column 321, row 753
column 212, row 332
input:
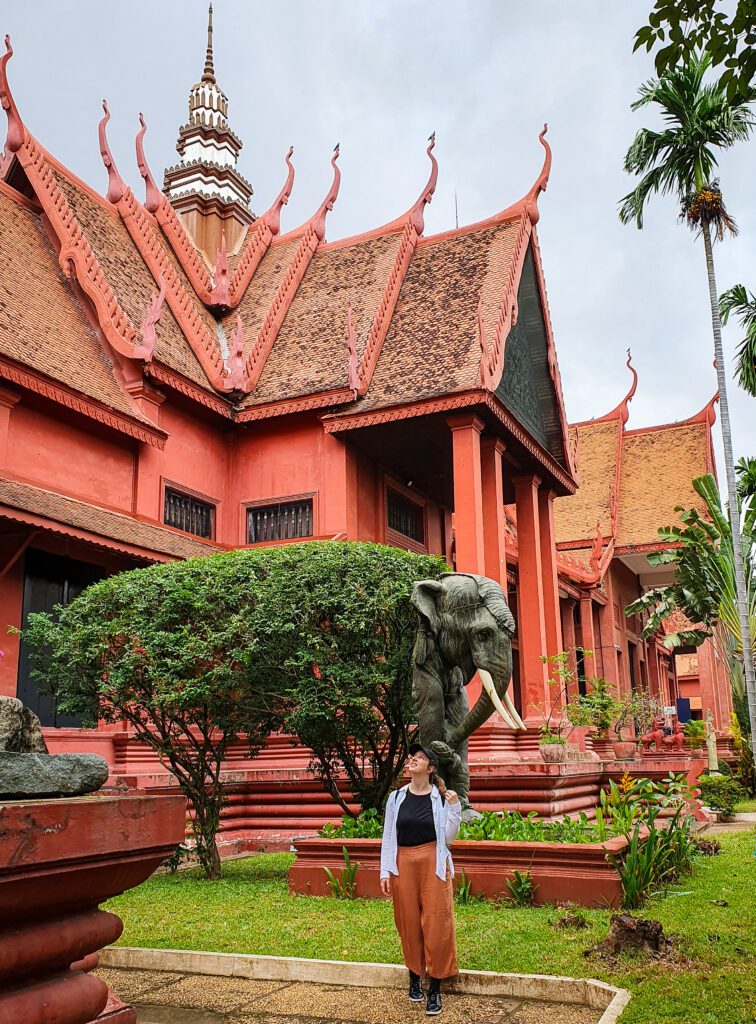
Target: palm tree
column 738, row 301
column 699, row 120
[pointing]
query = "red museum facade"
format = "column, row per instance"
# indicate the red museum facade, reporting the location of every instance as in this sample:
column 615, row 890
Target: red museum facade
column 179, row 376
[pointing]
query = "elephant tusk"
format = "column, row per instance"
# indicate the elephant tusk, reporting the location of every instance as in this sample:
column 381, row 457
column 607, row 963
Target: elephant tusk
column 513, row 711
column 488, row 686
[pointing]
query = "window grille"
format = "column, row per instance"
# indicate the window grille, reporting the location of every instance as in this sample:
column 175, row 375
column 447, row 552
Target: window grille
column 405, row 516
column 188, row 514
column 284, row 520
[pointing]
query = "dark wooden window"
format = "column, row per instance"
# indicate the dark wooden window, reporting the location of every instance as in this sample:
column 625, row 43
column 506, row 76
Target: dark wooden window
column 283, row 520
column 405, row 516
column 189, row 514
column 48, row 581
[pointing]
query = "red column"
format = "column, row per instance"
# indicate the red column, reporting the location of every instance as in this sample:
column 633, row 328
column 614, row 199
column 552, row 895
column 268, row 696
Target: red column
column 494, row 556
column 532, row 620
column 468, row 493
column 568, row 639
column 587, row 635
column 552, row 617
column 339, row 496
column 8, row 399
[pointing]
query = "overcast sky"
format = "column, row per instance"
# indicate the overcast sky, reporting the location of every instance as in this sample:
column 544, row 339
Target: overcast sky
column 378, row 76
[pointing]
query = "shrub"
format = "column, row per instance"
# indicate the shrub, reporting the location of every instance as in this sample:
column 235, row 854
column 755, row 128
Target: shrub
column 598, row 708
column 521, row 888
column 695, row 733
column 367, row 825
column 721, row 792
column 343, row 885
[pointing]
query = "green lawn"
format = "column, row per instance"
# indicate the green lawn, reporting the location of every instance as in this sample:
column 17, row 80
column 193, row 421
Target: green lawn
column 746, row 806
column 251, row 911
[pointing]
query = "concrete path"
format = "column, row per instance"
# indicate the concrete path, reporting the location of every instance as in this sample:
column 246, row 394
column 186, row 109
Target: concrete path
column 742, row 822
column 162, row 997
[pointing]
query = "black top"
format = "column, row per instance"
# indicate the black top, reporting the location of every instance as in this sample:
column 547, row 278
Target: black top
column 414, row 822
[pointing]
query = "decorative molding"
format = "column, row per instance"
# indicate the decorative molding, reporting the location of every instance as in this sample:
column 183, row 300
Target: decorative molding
column 508, row 309
column 186, row 253
column 291, row 405
column 354, row 360
column 27, row 378
column 175, row 380
column 76, row 251
column 147, row 329
column 203, row 344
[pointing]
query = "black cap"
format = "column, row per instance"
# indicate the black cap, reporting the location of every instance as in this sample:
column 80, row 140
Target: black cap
column 418, row 748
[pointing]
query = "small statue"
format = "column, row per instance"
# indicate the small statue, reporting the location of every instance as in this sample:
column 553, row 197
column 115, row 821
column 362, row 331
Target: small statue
column 711, row 744
column 675, row 742
column 655, row 735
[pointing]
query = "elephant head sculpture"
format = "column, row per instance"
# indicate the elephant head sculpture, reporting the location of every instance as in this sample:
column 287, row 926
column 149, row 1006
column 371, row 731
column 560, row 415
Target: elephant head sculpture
column 465, row 627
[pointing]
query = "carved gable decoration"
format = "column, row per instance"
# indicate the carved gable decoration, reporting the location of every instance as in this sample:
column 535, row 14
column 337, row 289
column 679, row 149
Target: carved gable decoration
column 526, row 387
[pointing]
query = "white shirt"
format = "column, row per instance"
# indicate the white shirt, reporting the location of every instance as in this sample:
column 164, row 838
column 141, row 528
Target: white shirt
column 447, row 819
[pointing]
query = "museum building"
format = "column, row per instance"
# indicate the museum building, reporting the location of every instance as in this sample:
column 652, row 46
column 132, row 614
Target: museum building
column 181, row 376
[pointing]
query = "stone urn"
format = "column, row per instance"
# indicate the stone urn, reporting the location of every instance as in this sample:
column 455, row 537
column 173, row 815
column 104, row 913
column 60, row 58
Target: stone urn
column 603, row 746
column 553, row 753
column 624, row 750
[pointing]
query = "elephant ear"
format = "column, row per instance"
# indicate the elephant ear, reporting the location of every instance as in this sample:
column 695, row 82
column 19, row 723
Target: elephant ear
column 425, row 597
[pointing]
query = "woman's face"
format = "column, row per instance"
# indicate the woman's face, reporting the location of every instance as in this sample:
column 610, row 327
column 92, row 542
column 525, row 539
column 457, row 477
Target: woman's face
column 418, row 766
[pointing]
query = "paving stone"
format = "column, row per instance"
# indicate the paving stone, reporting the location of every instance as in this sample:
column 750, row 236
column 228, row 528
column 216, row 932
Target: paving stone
column 374, row 1006
column 176, row 1015
column 558, row 1013
column 207, row 992
column 129, row 985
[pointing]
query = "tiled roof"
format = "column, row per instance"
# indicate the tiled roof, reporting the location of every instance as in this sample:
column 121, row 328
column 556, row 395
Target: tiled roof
column 575, row 517
column 104, row 523
column 41, row 324
column 658, row 466
column 311, row 353
column 432, row 347
column 130, row 278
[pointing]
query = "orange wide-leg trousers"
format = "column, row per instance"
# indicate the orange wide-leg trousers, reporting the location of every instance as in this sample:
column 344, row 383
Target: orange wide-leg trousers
column 424, row 912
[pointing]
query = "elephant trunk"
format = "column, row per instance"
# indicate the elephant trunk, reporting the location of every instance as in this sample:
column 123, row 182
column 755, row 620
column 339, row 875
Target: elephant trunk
column 489, row 700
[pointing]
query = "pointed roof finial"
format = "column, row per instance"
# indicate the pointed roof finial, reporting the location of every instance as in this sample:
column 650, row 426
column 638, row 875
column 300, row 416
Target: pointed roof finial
column 208, row 75
column 116, row 185
column 272, row 217
column 541, row 182
column 319, row 219
column 14, row 140
column 621, row 411
column 417, row 211
column 152, row 196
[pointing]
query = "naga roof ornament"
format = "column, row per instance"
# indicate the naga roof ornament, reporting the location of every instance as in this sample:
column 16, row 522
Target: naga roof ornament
column 116, row 184
column 530, row 202
column 622, row 411
column 416, row 215
column 147, row 330
column 152, row 192
column 16, row 135
column 272, row 217
column 318, row 220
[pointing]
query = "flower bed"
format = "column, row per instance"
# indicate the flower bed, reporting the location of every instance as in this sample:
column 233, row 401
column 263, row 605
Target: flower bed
column 579, row 873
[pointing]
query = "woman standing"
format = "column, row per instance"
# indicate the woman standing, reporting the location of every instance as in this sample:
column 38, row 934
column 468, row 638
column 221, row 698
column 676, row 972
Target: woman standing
column 422, row 820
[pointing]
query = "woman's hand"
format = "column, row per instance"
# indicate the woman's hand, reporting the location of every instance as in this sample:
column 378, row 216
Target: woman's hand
column 451, row 796
column 386, row 886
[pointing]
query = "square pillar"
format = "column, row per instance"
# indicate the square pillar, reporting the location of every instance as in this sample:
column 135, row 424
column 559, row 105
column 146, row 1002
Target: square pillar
column 468, row 493
column 531, row 625
column 8, row 399
column 338, row 510
column 552, row 617
column 567, row 608
column 587, row 634
column 494, row 554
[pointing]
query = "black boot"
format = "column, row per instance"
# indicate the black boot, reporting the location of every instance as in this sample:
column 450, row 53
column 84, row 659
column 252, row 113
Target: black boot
column 415, row 988
column 433, row 1006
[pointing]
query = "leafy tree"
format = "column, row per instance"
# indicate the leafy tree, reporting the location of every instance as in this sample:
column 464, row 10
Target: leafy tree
column 726, row 32
column 699, row 119
column 168, row 649
column 738, row 301
column 704, row 588
column 334, row 629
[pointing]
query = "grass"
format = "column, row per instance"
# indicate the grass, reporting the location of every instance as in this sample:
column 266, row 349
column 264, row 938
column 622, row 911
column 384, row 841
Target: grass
column 251, row 911
column 746, row 806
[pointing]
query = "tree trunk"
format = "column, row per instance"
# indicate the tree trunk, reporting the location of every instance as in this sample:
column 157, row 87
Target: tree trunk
column 732, row 492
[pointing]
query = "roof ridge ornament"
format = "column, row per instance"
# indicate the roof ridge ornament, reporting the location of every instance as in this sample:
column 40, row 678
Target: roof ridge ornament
column 219, row 295
column 16, row 135
column 621, row 411
column 707, row 415
column 208, row 74
column 318, row 220
column 416, row 214
column 236, row 375
column 116, row 184
column 147, row 331
column 530, row 202
column 272, row 217
column 152, row 192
